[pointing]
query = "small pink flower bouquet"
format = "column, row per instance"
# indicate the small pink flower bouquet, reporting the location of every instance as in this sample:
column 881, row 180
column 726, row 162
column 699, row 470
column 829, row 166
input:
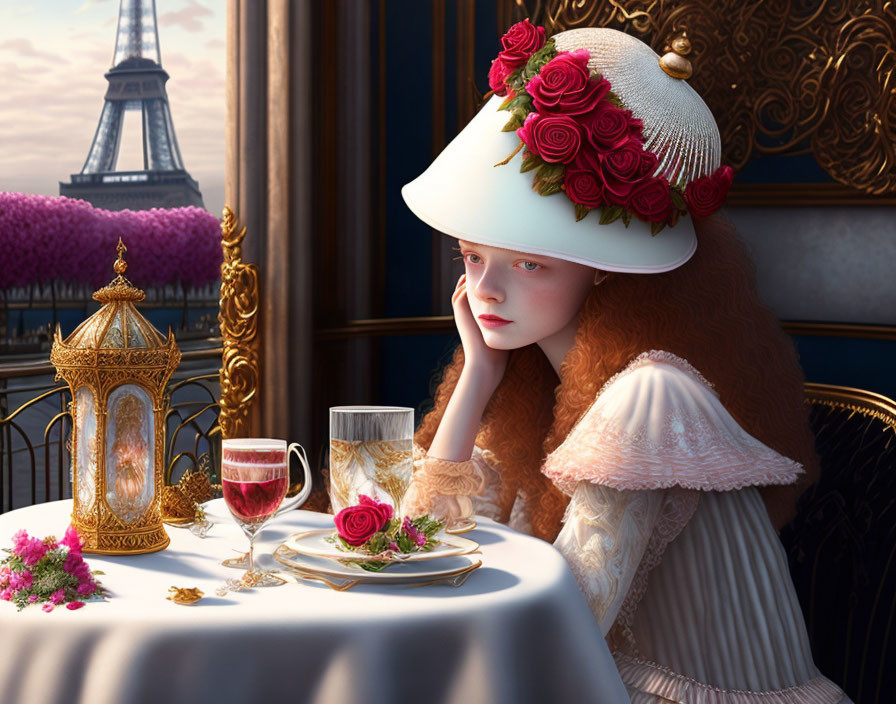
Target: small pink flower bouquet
column 47, row 572
column 370, row 528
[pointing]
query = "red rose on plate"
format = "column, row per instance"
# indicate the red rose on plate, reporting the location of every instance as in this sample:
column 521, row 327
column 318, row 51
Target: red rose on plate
column 520, row 41
column 706, row 195
column 357, row 524
column 564, row 85
column 555, row 138
column 581, row 182
column 497, row 74
column 650, row 200
column 384, row 508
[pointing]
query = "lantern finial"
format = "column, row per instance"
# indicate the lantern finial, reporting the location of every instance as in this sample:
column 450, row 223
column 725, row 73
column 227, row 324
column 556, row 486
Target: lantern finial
column 120, row 289
column 120, row 265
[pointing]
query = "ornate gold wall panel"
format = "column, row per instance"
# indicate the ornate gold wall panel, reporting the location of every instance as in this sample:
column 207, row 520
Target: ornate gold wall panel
column 781, row 76
column 238, row 317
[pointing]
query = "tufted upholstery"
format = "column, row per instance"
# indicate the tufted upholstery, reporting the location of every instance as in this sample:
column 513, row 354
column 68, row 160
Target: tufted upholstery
column 842, row 543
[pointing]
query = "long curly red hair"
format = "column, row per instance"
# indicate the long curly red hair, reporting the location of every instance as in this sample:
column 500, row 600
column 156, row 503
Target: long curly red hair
column 706, row 311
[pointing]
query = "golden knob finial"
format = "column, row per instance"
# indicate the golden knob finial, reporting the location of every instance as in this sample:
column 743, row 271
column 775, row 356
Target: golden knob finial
column 120, row 265
column 673, row 61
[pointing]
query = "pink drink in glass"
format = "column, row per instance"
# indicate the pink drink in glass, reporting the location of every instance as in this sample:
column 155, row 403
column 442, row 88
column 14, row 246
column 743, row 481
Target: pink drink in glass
column 255, row 477
column 253, row 502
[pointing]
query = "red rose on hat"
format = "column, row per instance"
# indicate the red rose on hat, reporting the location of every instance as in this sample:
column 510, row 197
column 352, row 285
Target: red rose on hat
column 609, row 127
column 629, row 162
column 706, row 195
column 581, row 182
column 564, row 85
column 555, row 138
column 497, row 74
column 357, row 524
column 624, row 169
column 650, row 200
column 521, row 41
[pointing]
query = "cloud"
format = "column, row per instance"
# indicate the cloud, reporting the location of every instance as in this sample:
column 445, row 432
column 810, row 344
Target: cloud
column 25, row 49
column 191, row 18
column 215, row 44
column 89, row 5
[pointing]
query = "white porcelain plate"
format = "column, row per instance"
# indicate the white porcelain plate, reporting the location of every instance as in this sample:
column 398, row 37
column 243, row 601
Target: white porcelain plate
column 313, row 543
column 412, row 573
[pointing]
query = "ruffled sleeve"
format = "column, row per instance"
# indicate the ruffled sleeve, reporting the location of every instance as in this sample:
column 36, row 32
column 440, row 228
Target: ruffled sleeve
column 604, row 537
column 659, row 424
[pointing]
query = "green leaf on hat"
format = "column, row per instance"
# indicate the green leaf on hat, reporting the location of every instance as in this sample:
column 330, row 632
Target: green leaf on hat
column 614, row 99
column 544, row 188
column 520, row 101
column 627, row 217
column 530, row 161
column 538, row 60
column 678, row 199
column 656, row 227
column 515, row 80
column 610, row 213
column 581, row 211
column 552, row 173
column 516, row 121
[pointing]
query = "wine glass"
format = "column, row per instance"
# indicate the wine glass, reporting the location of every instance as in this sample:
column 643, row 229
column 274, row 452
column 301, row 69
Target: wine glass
column 255, row 477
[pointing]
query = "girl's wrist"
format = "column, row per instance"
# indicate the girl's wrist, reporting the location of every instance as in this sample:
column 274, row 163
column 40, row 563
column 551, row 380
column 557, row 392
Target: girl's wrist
column 484, row 381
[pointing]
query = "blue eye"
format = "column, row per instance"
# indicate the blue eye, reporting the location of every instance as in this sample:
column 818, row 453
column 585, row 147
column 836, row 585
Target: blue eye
column 531, row 266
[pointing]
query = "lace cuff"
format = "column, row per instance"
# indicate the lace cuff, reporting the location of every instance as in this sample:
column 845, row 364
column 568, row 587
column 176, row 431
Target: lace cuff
column 442, row 489
column 659, row 424
column 494, row 498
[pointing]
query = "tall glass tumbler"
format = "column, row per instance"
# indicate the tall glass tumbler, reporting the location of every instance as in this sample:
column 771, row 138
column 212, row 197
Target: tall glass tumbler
column 371, row 453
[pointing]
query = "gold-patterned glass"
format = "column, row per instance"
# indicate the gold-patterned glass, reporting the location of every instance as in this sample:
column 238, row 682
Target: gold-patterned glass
column 371, row 453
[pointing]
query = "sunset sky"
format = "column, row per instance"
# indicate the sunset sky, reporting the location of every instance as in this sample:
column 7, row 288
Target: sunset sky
column 53, row 54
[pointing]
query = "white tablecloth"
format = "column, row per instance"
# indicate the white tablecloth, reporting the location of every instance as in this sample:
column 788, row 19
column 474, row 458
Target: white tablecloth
column 518, row 630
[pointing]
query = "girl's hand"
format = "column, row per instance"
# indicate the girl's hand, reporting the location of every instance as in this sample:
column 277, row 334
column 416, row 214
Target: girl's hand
column 479, row 359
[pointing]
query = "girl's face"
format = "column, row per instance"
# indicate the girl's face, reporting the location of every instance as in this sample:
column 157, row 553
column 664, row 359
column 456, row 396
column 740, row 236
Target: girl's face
column 520, row 299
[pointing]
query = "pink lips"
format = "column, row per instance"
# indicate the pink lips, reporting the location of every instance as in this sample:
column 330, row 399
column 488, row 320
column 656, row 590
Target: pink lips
column 493, row 321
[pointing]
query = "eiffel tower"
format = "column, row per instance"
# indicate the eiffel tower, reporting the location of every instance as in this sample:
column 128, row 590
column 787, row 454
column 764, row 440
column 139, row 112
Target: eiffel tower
column 136, row 82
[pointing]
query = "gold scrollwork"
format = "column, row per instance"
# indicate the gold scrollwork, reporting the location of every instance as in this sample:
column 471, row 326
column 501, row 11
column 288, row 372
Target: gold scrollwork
column 796, row 77
column 238, row 317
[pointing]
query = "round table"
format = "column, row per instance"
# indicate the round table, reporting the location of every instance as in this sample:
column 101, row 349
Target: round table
column 518, row 630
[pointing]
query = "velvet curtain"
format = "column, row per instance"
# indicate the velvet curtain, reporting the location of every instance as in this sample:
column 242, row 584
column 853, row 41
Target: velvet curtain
column 269, row 187
column 299, row 178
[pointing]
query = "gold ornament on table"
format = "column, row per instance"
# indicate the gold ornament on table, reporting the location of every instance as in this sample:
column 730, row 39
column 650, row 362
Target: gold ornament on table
column 181, row 502
column 185, row 596
column 117, row 365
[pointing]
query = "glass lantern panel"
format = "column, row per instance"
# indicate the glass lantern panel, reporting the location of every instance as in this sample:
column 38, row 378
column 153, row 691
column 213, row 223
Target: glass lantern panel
column 135, row 337
column 85, row 454
column 130, row 449
column 114, row 337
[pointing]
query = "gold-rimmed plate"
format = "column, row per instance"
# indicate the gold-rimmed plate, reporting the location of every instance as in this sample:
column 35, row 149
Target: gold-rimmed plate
column 314, row 543
column 411, row 574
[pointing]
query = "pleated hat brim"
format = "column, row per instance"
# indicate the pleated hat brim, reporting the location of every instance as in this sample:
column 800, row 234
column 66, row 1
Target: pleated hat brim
column 463, row 194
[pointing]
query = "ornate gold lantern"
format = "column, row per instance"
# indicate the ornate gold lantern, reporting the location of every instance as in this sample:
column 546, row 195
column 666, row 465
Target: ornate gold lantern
column 117, row 365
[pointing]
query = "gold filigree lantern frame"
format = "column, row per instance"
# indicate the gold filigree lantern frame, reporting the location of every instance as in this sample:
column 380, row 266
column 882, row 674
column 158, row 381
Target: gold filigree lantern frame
column 117, row 366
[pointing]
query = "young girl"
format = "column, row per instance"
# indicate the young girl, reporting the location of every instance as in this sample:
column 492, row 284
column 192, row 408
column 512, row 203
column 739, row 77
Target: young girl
column 617, row 392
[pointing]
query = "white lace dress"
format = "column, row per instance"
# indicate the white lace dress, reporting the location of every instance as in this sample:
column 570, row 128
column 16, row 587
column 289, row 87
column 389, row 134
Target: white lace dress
column 672, row 546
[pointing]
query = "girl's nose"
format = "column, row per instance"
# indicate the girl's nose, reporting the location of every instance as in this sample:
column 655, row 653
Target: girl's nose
column 488, row 288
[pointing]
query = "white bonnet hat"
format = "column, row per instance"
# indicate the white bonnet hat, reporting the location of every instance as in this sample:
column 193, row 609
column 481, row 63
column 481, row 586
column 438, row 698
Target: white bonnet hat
column 573, row 158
